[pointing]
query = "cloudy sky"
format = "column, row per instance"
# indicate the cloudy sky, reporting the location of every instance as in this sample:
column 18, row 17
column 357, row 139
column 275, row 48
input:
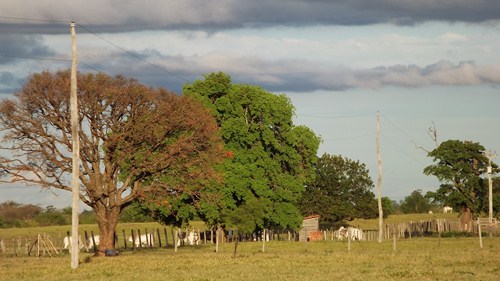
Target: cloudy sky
column 417, row 62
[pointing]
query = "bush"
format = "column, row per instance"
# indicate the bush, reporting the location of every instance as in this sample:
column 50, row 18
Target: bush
column 456, row 234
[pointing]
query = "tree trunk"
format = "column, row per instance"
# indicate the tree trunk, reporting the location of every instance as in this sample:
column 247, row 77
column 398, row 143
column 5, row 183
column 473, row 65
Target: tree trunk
column 107, row 221
column 466, row 219
column 235, row 246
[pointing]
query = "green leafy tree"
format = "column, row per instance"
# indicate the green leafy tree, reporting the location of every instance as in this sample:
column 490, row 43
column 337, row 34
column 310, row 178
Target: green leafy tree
column 459, row 166
column 496, row 197
column 136, row 142
column 415, row 203
column 269, row 159
column 53, row 216
column 340, row 191
column 136, row 212
column 388, row 206
column 15, row 214
column 245, row 219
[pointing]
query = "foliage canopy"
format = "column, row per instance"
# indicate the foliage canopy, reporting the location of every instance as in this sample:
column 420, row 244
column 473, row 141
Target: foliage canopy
column 269, row 158
column 459, row 166
column 135, row 142
column 341, row 191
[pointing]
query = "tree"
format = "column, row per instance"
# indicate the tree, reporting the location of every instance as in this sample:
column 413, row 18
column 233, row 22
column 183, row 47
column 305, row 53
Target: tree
column 135, row 142
column 388, row 206
column 340, row 191
column 496, row 197
column 269, row 159
column 459, row 166
column 15, row 214
column 245, row 219
column 415, row 203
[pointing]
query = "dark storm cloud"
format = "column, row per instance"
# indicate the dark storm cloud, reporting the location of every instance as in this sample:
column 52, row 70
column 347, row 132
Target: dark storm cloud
column 15, row 46
column 53, row 16
column 9, row 83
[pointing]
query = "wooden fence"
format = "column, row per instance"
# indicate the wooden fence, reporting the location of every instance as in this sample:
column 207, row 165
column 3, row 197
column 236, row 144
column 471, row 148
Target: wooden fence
column 425, row 228
column 161, row 237
column 46, row 245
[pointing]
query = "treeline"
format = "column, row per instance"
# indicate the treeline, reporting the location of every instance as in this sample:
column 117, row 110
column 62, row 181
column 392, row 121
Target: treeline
column 13, row 214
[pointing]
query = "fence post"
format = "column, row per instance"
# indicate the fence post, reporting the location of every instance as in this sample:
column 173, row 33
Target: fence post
column 148, row 240
column 2, row 245
column 394, row 241
column 166, row 237
column 177, row 236
column 124, row 239
column 93, row 240
column 133, row 239
column 140, row 238
column 480, row 235
column 159, row 237
column 348, row 239
column 263, row 241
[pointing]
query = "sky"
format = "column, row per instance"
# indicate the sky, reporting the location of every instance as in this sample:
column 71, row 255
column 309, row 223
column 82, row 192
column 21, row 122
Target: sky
column 420, row 63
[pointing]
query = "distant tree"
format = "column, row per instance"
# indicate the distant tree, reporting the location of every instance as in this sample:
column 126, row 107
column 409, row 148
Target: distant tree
column 135, row 142
column 388, row 206
column 496, row 197
column 269, row 159
column 245, row 219
column 87, row 217
column 14, row 210
column 459, row 166
column 340, row 191
column 53, row 216
column 415, row 203
column 136, row 213
column 15, row 214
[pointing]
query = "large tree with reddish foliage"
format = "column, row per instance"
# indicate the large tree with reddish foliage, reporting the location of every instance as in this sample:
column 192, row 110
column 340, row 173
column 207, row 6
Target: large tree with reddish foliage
column 135, row 142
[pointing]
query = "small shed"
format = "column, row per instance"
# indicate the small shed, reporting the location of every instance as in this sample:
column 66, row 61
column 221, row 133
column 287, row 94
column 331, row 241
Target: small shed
column 310, row 224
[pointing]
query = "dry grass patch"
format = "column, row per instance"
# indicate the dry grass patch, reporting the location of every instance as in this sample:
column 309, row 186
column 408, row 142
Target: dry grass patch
column 415, row 259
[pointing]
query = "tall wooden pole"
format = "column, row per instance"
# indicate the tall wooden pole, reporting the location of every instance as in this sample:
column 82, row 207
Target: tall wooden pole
column 75, row 186
column 379, row 184
column 490, row 190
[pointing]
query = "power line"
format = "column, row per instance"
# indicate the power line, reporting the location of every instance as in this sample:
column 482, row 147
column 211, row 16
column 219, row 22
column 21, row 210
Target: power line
column 36, row 20
column 351, row 138
column 400, row 149
column 133, row 54
column 34, row 58
column 102, row 38
column 49, row 59
column 401, row 130
column 334, row 116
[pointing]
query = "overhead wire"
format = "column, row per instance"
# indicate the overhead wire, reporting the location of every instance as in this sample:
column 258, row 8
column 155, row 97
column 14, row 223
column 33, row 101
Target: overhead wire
column 30, row 19
column 351, row 138
column 49, row 59
column 399, row 129
column 133, row 54
column 334, row 116
column 105, row 40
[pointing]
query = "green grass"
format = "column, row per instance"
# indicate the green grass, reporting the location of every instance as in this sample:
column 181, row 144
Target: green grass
column 413, row 259
column 400, row 218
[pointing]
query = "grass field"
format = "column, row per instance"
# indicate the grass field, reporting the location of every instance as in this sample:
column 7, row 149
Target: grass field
column 413, row 259
column 400, row 218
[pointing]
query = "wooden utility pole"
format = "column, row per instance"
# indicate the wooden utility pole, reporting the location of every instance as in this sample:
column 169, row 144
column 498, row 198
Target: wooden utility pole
column 379, row 184
column 75, row 186
column 490, row 189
